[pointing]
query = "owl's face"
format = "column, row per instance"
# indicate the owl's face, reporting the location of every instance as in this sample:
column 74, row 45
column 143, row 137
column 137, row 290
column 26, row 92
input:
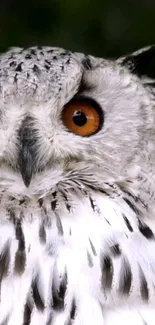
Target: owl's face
column 66, row 116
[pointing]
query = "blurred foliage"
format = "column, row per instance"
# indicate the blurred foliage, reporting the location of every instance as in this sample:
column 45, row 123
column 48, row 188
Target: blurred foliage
column 100, row 27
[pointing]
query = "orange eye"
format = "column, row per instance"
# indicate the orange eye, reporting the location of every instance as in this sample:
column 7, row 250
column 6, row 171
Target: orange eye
column 82, row 116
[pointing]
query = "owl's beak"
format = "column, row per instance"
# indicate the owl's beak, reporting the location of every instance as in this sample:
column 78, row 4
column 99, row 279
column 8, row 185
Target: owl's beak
column 26, row 164
column 26, row 156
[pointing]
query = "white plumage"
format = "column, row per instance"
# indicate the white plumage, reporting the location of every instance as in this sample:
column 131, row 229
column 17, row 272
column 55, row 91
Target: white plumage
column 77, row 221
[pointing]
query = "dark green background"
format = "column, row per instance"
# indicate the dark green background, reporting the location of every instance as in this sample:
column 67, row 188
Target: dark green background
column 100, row 27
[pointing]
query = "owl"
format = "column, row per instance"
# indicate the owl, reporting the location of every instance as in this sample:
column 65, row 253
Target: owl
column 77, row 188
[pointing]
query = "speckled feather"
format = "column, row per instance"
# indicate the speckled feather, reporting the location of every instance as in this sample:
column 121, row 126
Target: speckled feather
column 76, row 244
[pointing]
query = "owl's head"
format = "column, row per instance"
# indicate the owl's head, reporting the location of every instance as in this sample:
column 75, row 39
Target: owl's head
column 67, row 117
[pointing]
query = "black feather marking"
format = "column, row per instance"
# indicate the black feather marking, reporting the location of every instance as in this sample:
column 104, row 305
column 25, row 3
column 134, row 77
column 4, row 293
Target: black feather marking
column 47, row 67
column 92, row 203
column 133, row 197
column 33, row 52
column 19, row 67
column 73, row 310
column 59, row 296
column 68, row 207
column 108, row 222
column 115, row 250
column 42, row 234
column 143, row 286
column 127, row 222
column 48, row 62
column 20, row 235
column 68, row 61
column 15, row 78
column 36, row 296
column 12, row 64
column 58, row 303
column 59, row 225
column 107, row 272
column 89, row 258
column 27, row 315
column 104, row 192
column 131, row 205
column 28, row 57
column 11, row 199
column 40, row 201
column 47, row 220
column 145, row 230
column 71, row 318
column 54, row 201
column 20, row 257
column 63, row 287
column 92, row 247
column 125, row 277
column 21, row 201
column 50, row 51
column 20, row 260
column 5, row 260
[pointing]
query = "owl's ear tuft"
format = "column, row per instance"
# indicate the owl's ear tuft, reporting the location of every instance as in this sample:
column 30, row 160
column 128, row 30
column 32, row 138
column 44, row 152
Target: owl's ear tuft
column 141, row 62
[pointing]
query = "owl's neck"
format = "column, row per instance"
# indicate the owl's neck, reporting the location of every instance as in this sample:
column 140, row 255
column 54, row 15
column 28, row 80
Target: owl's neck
column 136, row 187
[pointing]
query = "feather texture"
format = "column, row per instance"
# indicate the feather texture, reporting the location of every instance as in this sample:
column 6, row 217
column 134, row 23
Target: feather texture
column 77, row 221
column 70, row 266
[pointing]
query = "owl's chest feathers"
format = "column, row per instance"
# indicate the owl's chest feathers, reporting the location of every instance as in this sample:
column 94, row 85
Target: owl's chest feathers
column 72, row 248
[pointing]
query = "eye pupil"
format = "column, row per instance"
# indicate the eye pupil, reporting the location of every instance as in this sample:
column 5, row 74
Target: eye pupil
column 79, row 118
